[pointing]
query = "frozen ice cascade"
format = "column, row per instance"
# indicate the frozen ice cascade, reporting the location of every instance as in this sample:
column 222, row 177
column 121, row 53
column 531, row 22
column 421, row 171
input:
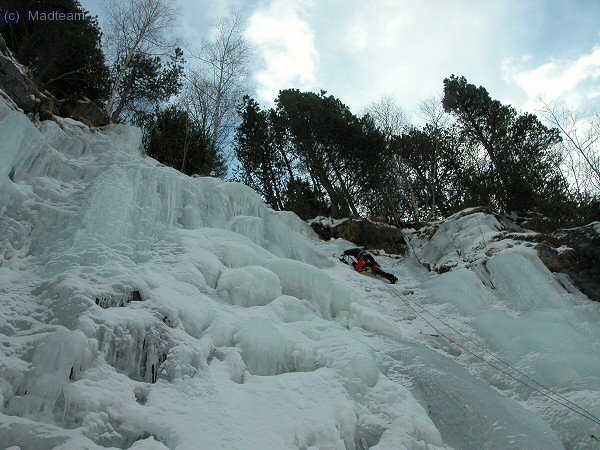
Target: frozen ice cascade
column 140, row 308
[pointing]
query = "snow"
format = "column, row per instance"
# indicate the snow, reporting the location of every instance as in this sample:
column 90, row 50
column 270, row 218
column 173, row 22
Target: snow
column 140, row 308
column 327, row 221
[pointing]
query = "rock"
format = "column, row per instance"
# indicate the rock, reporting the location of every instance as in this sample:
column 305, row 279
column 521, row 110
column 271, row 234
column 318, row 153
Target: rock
column 14, row 80
column 16, row 83
column 585, row 244
column 553, row 259
column 365, row 233
column 84, row 111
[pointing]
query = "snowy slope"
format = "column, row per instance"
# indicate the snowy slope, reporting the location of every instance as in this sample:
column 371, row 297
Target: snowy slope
column 140, row 308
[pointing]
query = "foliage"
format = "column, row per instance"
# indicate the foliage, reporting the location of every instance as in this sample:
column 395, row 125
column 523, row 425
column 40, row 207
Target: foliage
column 147, row 83
column 522, row 171
column 174, row 139
column 65, row 57
column 139, row 39
column 310, row 150
column 219, row 80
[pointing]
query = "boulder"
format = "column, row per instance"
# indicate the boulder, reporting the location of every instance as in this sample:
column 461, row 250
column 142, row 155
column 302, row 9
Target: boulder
column 555, row 260
column 363, row 232
column 585, row 272
column 84, row 111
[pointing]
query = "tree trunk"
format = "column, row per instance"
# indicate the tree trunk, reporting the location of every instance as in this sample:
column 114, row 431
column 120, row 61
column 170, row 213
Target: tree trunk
column 413, row 198
column 349, row 201
column 121, row 74
column 185, row 143
column 317, row 168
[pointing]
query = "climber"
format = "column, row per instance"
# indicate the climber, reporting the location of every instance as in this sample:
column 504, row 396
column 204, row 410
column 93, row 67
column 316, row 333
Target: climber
column 365, row 262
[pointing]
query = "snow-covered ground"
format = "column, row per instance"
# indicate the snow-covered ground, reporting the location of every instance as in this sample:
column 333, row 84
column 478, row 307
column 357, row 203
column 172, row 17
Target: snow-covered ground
column 140, row 308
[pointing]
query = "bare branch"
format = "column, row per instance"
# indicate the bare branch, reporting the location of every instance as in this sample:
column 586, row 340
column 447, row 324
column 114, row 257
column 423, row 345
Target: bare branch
column 137, row 26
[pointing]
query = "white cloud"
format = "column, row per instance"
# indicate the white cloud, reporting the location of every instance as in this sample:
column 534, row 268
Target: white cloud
column 285, row 41
column 567, row 80
column 402, row 48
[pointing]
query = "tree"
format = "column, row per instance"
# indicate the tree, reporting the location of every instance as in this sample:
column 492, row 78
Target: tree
column 438, row 122
column 148, row 82
column 217, row 85
column 392, row 122
column 174, row 139
column 256, row 149
column 389, row 117
column 521, row 150
column 311, row 154
column 137, row 32
column 301, row 198
column 580, row 145
column 65, row 57
column 322, row 130
column 436, row 161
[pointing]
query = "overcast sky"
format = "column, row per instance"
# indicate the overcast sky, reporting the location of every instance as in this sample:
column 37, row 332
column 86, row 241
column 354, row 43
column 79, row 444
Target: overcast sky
column 359, row 50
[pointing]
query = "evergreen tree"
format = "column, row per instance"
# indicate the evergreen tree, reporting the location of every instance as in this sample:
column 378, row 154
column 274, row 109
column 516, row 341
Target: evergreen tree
column 147, row 82
column 312, row 154
column 65, row 57
column 301, row 198
column 256, row 149
column 439, row 188
column 523, row 167
column 172, row 138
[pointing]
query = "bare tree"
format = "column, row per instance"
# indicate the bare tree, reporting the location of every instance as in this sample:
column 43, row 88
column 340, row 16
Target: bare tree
column 392, row 121
column 389, row 117
column 217, row 85
column 134, row 27
column 580, row 145
column 432, row 112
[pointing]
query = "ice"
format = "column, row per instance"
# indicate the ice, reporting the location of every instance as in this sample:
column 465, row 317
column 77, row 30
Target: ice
column 268, row 350
column 503, row 298
column 458, row 235
column 464, row 409
column 60, row 358
column 523, row 284
column 249, row 286
column 140, row 308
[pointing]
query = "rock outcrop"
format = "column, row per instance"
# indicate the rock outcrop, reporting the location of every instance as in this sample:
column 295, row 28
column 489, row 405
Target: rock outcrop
column 15, row 82
column 17, row 86
column 363, row 232
column 582, row 258
column 84, row 111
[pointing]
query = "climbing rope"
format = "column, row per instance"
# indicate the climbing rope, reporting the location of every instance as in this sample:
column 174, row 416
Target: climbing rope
column 550, row 394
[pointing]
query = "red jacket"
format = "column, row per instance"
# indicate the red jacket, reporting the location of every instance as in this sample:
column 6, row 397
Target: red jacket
column 360, row 265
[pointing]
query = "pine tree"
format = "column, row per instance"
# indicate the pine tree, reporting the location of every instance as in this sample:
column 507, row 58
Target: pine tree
column 172, row 138
column 523, row 166
column 65, row 57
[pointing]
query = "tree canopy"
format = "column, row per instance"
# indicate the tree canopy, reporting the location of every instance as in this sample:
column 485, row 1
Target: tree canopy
column 65, row 57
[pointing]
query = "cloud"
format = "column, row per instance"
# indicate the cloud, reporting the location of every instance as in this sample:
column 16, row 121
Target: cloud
column 285, row 42
column 570, row 80
column 405, row 49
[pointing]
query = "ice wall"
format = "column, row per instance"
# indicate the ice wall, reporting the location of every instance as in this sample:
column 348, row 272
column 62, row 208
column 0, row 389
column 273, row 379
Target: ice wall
column 500, row 294
column 140, row 308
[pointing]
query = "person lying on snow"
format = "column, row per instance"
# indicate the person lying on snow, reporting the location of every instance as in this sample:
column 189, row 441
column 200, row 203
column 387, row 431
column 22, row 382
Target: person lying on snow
column 365, row 262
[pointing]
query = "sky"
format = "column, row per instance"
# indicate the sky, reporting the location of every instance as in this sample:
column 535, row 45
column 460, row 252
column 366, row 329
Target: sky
column 361, row 50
